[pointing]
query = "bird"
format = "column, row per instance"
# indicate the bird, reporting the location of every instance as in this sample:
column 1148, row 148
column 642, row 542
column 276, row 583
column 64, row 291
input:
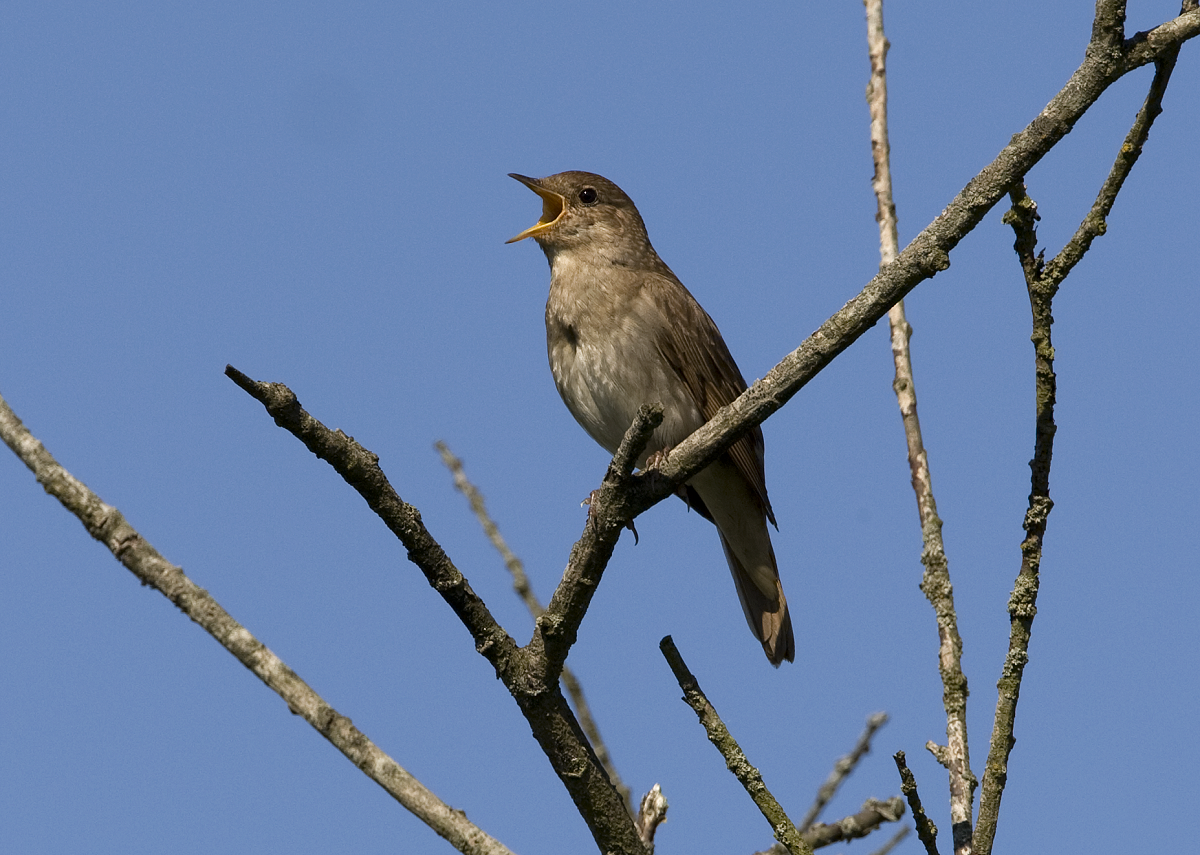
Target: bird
column 622, row 331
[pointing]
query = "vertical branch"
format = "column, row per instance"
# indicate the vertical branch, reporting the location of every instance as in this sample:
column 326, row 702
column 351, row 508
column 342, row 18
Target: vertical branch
column 1022, row 604
column 955, row 756
column 1042, row 280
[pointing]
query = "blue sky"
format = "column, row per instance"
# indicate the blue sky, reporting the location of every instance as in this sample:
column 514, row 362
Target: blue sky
column 317, row 194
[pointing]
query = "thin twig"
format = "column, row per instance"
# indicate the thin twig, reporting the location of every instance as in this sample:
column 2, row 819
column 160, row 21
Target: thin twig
column 652, row 812
column 936, row 580
column 843, row 768
column 893, row 842
column 107, row 525
column 1042, row 280
column 926, row 830
column 515, row 567
column 781, row 826
column 611, row 511
column 873, row 814
column 525, row 591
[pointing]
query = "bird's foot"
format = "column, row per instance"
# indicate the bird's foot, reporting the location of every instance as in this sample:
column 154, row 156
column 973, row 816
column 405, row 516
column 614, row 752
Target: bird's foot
column 658, row 458
column 587, row 503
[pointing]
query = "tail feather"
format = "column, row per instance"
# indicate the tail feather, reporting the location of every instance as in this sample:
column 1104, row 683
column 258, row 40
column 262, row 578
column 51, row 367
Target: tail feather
column 722, row 496
column 768, row 619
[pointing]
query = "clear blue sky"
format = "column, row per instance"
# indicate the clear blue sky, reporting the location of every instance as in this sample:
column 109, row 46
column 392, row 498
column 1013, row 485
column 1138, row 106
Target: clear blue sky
column 317, row 194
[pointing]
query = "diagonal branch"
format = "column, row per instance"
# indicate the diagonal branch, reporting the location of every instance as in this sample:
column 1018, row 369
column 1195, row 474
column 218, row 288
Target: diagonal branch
column 926, row 830
column 748, row 776
column 842, row 769
column 893, row 842
column 523, row 670
column 873, row 814
column 525, row 591
column 925, row 256
column 107, row 525
column 610, row 511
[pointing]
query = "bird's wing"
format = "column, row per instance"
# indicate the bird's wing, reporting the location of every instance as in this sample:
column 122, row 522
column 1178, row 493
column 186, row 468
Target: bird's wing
column 692, row 346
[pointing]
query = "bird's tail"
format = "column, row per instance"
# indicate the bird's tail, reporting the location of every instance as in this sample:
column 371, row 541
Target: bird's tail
column 768, row 618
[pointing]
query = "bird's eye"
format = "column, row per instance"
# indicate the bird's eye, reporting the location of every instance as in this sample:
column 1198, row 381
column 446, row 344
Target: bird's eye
column 588, row 196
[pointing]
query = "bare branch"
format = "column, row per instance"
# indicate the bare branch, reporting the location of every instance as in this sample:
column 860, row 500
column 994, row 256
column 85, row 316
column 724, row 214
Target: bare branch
column 893, row 842
column 785, row 832
column 524, row 671
column 651, row 814
column 1152, row 45
column 525, row 592
column 515, row 567
column 843, row 768
column 360, row 469
column 926, row 830
column 877, row 48
column 936, row 580
column 609, row 513
column 1094, row 224
column 1108, row 27
column 1042, row 280
column 872, row 815
column 107, row 525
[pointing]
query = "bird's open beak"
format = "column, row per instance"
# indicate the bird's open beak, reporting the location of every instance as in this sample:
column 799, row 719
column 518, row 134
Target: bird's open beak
column 553, row 206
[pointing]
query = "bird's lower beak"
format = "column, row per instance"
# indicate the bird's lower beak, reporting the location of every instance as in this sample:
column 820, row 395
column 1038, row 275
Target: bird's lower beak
column 553, row 206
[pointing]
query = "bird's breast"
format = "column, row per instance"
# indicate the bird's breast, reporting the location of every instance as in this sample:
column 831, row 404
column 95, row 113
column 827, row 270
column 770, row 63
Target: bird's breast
column 603, row 353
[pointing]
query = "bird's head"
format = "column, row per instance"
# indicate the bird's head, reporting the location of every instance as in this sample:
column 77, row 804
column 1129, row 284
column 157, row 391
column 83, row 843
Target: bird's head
column 584, row 211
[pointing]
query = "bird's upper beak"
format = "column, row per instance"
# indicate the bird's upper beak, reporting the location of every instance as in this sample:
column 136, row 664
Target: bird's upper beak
column 553, row 206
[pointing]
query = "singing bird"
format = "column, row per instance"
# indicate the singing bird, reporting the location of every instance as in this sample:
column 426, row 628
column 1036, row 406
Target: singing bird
column 622, row 331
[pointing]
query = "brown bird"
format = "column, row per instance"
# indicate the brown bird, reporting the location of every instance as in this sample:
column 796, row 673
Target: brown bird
column 622, row 331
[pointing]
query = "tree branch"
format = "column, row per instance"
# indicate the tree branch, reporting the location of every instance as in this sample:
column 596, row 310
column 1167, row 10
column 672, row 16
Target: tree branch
column 926, row 830
column 524, row 671
column 1108, row 26
column 893, row 842
column 843, row 768
column 1042, row 280
column 107, row 525
column 785, row 832
column 652, row 812
column 525, row 591
column 872, row 815
column 936, row 579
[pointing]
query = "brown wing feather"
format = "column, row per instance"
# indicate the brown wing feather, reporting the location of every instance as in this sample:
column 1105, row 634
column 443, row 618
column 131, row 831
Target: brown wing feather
column 702, row 360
